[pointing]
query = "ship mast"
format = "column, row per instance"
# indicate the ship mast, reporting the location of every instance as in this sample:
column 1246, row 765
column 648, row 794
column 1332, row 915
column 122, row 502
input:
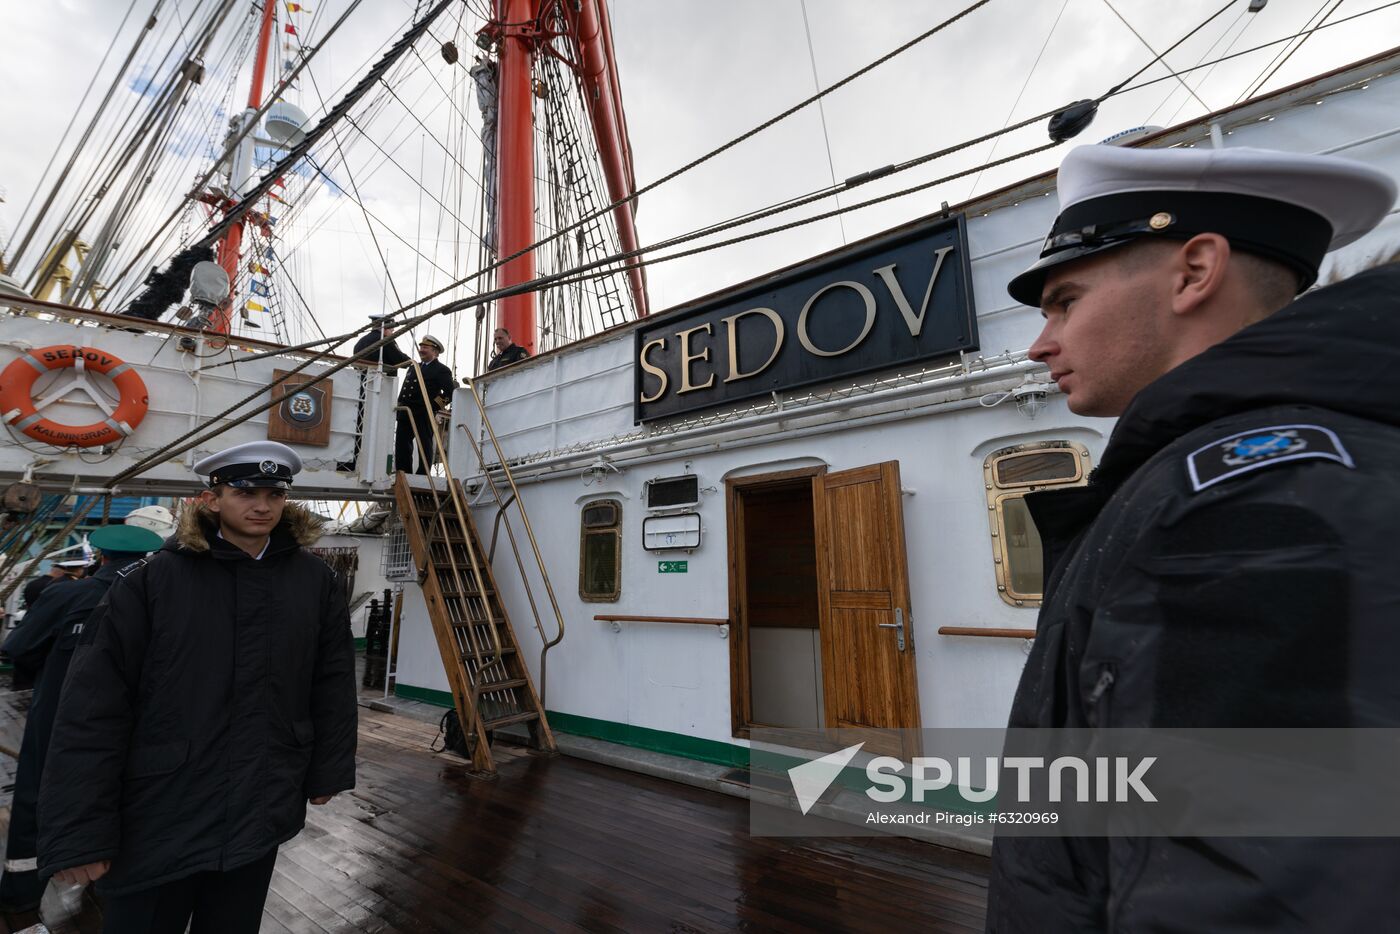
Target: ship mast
column 516, row 158
column 519, row 34
column 241, row 170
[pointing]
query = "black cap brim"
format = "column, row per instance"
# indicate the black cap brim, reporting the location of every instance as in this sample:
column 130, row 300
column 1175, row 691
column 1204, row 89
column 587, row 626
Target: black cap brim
column 1029, row 285
column 249, row 482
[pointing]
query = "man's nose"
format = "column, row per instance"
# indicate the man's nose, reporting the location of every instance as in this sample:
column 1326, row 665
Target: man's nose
column 1044, row 346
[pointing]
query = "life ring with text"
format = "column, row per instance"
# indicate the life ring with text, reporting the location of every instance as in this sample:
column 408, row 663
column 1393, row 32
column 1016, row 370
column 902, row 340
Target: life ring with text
column 19, row 409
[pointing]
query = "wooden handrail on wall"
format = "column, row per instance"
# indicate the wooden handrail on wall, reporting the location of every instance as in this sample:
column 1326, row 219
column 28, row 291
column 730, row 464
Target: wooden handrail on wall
column 981, row 631
column 702, row 620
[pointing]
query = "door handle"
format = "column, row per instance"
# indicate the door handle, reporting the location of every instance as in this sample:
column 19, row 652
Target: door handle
column 897, row 626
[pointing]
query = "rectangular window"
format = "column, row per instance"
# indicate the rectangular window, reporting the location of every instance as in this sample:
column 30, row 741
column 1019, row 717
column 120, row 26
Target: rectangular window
column 600, row 551
column 1010, row 474
column 673, row 492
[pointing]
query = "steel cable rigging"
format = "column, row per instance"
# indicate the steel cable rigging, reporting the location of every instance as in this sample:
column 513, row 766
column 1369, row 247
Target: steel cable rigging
column 545, row 282
column 1120, row 88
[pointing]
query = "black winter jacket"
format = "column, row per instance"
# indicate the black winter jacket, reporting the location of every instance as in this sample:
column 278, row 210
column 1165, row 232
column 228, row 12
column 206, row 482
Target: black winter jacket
column 1230, row 564
column 439, row 394
column 390, row 356
column 44, row 642
column 214, row 694
column 512, row 354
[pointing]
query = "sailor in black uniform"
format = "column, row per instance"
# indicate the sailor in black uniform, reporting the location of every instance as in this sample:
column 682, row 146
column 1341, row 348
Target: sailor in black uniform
column 1231, row 561
column 389, row 355
column 211, row 697
column 507, row 350
column 45, row 643
column 423, row 404
column 69, row 570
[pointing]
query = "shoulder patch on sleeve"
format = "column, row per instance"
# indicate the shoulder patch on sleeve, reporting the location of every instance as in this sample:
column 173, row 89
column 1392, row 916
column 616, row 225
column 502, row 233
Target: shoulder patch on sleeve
column 132, row 568
column 1256, row 448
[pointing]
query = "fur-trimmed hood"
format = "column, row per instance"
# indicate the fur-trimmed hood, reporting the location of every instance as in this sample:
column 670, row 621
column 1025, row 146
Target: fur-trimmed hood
column 197, row 523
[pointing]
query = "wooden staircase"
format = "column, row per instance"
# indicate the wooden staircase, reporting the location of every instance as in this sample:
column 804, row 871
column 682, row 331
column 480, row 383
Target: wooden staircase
column 491, row 686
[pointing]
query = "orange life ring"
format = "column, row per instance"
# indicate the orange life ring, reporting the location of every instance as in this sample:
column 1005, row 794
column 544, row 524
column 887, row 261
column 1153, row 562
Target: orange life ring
column 17, row 399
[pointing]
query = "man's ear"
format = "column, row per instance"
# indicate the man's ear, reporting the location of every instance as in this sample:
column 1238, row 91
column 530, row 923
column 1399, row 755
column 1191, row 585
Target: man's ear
column 209, row 500
column 1200, row 271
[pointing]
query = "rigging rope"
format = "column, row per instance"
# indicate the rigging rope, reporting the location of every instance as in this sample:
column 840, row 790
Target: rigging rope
column 1161, row 58
column 1244, row 11
column 116, row 82
column 1121, row 88
column 821, row 109
column 1262, row 45
column 543, row 282
column 169, row 97
column 232, row 144
column 1021, row 93
column 1256, row 86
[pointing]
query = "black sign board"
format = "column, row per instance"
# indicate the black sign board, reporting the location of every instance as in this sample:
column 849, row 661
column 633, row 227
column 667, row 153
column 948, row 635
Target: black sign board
column 900, row 300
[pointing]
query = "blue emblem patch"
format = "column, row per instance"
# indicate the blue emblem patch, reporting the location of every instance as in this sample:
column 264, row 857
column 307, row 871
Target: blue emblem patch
column 1262, row 447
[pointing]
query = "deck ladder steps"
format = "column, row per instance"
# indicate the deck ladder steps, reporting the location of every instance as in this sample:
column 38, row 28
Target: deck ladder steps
column 491, row 687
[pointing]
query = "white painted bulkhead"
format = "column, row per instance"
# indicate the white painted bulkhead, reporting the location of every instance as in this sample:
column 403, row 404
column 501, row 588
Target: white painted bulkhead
column 192, row 382
column 557, row 415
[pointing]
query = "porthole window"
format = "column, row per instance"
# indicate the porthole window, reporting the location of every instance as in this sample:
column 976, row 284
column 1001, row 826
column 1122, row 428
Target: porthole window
column 600, row 551
column 1010, row 474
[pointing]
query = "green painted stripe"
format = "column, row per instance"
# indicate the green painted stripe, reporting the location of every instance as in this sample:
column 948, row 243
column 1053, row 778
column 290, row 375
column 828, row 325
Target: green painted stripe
column 426, row 695
column 638, row 737
column 360, row 644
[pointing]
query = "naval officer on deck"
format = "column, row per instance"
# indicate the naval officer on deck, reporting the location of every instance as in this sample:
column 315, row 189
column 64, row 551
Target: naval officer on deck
column 211, row 696
column 1231, row 561
column 423, row 403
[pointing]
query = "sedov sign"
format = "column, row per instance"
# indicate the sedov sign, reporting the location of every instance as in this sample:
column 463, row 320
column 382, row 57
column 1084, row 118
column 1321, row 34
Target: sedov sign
column 900, row 300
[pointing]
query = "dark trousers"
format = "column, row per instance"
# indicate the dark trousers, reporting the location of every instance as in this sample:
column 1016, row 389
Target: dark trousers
column 210, row 902
column 405, row 445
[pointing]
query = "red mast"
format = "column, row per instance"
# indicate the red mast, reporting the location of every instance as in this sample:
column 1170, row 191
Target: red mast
column 228, row 250
column 515, row 158
column 519, row 35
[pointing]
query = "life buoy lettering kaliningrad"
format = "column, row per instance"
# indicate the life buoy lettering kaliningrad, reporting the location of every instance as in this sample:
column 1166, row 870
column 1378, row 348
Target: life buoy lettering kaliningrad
column 17, row 396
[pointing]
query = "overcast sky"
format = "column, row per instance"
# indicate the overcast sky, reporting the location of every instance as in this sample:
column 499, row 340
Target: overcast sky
column 696, row 74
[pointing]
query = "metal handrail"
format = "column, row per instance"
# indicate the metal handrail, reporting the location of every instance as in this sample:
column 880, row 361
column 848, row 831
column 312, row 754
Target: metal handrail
column 510, row 533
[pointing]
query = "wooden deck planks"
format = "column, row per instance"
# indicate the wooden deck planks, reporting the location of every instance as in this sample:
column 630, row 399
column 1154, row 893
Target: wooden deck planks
column 559, row 844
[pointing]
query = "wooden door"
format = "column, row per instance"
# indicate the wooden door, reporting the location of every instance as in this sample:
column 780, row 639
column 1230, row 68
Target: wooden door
column 863, row 592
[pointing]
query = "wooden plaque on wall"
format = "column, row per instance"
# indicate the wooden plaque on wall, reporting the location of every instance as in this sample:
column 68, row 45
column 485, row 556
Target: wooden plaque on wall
column 301, row 415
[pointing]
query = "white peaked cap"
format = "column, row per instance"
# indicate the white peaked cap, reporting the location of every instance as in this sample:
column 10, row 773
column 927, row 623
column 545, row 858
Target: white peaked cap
column 1288, row 207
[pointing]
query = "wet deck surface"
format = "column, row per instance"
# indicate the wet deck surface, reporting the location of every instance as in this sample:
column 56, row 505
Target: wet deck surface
column 560, row 844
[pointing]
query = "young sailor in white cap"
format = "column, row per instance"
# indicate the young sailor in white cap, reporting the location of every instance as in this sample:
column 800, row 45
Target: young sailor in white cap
column 423, row 403
column 1230, row 563
column 211, row 696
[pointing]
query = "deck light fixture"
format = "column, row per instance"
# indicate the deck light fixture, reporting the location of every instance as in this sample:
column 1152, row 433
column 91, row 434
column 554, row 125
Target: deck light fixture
column 1031, row 397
